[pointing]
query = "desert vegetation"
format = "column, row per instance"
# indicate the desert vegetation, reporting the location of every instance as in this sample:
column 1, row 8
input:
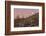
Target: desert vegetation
column 27, row 22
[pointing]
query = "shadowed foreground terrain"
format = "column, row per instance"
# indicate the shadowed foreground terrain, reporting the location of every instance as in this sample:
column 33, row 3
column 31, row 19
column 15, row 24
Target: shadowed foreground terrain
column 31, row 21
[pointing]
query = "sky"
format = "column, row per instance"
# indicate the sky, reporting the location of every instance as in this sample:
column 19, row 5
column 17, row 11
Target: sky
column 24, row 12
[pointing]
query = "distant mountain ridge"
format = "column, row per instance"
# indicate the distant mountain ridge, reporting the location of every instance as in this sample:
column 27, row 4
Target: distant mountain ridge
column 28, row 17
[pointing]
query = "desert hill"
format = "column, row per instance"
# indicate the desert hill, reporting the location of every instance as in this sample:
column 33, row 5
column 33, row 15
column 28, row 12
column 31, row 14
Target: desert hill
column 27, row 22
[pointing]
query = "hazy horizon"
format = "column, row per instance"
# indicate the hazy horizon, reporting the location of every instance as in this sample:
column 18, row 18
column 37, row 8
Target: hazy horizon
column 24, row 12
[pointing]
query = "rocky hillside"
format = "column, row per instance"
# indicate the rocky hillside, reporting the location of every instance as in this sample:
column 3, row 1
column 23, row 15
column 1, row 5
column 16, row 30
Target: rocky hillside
column 27, row 22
